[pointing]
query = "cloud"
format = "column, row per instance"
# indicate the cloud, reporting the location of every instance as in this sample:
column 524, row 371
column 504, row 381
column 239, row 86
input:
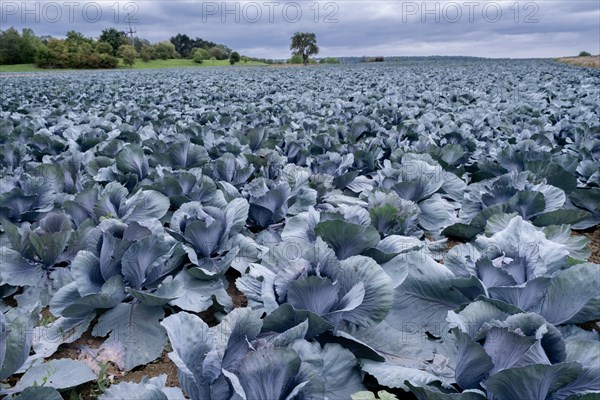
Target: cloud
column 352, row 27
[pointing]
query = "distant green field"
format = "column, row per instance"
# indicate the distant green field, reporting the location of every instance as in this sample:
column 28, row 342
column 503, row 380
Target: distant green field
column 139, row 64
column 19, row 68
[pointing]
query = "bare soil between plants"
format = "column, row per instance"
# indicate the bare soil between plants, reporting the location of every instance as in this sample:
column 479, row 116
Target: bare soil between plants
column 164, row 365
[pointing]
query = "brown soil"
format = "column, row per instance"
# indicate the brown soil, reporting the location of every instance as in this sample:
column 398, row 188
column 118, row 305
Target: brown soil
column 71, row 350
column 594, row 245
column 590, row 326
column 450, row 243
column 593, row 61
column 11, row 301
column 208, row 316
column 592, row 234
column 163, row 365
column 239, row 299
column 114, row 375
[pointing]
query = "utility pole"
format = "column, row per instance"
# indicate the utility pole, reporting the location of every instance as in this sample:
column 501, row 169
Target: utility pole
column 131, row 31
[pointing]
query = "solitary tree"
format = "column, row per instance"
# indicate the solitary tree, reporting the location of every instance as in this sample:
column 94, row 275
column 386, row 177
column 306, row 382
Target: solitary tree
column 584, row 54
column 304, row 44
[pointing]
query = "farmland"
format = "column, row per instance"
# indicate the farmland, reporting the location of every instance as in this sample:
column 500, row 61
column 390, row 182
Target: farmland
column 592, row 61
column 302, row 233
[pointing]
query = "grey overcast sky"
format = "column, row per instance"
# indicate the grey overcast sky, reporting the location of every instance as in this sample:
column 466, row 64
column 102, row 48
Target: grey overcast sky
column 262, row 28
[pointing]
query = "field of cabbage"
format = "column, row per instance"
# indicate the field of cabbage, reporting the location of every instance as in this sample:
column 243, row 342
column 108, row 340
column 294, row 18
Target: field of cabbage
column 411, row 230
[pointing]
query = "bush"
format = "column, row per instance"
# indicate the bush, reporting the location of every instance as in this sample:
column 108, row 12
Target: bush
column 90, row 61
column 297, row 59
column 164, row 50
column 128, row 53
column 372, row 59
column 198, row 57
column 104, row 48
column 146, row 53
column 43, row 57
column 235, row 57
column 329, row 60
column 107, row 61
column 219, row 52
column 52, row 55
column 55, row 55
column 584, row 54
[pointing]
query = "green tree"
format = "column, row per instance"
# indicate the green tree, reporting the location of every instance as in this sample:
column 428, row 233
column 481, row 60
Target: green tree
column 128, row 53
column 198, row 58
column 139, row 43
column 104, row 48
column 107, row 61
column 304, row 44
column 200, row 43
column 219, row 52
column 200, row 53
column 296, row 59
column 43, row 57
column 76, row 51
column 183, row 44
column 77, row 38
column 234, row 58
column 329, row 60
column 9, row 46
column 28, row 45
column 115, row 38
column 164, row 50
column 584, row 54
column 52, row 55
column 245, row 59
column 147, row 53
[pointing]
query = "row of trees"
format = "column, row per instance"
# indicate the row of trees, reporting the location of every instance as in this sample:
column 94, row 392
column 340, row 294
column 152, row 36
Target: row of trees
column 18, row 48
column 304, row 45
column 185, row 46
column 78, row 51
